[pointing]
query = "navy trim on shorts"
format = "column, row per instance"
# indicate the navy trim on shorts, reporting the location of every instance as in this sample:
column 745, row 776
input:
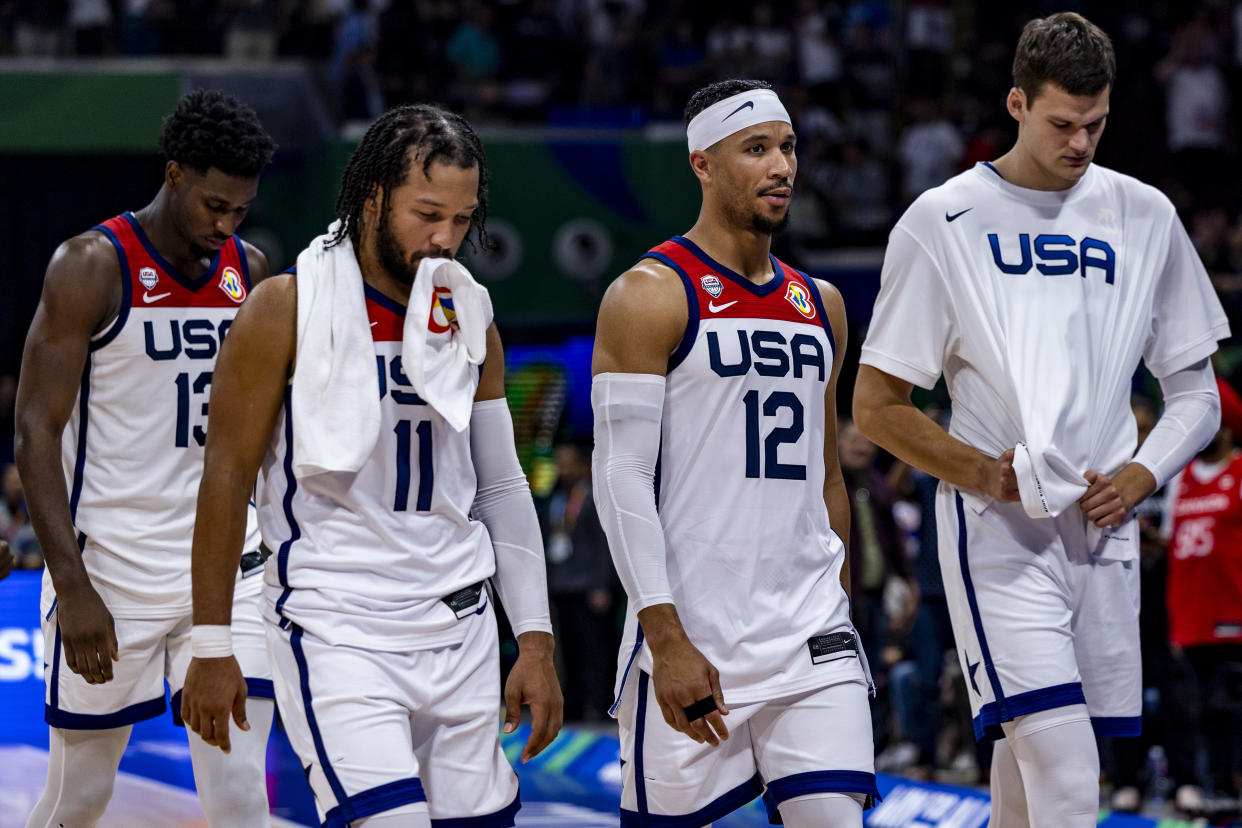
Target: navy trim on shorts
column 256, row 688
column 338, row 790
column 79, row 463
column 374, row 801
column 127, row 291
column 291, row 488
column 638, row 643
column 988, row 722
column 719, row 807
column 54, row 682
column 640, row 728
column 1002, row 712
column 692, row 311
column 260, row 688
column 139, row 712
column 1117, row 725
column 827, row 781
column 504, row 818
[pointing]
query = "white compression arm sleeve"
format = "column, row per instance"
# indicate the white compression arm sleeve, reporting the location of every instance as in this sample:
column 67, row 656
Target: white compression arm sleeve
column 503, row 504
column 627, row 441
column 1191, row 417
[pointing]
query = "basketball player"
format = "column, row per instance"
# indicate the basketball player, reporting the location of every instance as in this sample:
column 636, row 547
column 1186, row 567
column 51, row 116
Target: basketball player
column 722, row 362
column 1034, row 284
column 380, row 625
column 111, row 411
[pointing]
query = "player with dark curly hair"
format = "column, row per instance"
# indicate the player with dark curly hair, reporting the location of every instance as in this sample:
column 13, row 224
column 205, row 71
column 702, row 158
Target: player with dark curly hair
column 111, row 412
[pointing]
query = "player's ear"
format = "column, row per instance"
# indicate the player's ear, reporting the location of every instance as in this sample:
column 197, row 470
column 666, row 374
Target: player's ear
column 375, row 198
column 701, row 164
column 1016, row 104
column 173, row 175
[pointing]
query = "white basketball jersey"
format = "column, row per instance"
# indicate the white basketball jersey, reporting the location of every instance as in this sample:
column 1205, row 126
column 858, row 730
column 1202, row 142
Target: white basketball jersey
column 133, row 447
column 753, row 563
column 1037, row 306
column 365, row 559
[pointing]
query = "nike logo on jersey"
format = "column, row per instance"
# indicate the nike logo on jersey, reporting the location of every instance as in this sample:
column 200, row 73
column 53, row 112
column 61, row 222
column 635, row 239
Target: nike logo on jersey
column 747, row 105
column 148, row 298
column 956, row 216
column 714, row 308
column 373, row 324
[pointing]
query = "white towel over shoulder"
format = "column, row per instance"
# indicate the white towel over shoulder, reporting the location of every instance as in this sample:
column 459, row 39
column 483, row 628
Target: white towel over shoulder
column 335, row 395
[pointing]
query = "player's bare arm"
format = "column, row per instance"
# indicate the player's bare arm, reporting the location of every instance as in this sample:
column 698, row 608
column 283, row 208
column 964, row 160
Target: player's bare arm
column 641, row 320
column 81, row 294
column 532, row 681
column 884, row 412
column 247, row 392
column 836, row 497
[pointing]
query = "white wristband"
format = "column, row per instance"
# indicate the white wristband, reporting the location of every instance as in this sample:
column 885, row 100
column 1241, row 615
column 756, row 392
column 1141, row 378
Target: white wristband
column 211, row 641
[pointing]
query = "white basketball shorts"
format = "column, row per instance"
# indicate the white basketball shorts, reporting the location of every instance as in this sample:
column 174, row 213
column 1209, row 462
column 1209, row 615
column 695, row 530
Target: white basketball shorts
column 812, row 742
column 1040, row 622
column 152, row 651
column 381, row 730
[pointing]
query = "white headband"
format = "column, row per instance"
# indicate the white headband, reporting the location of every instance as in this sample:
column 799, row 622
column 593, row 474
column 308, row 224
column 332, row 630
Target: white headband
column 723, row 118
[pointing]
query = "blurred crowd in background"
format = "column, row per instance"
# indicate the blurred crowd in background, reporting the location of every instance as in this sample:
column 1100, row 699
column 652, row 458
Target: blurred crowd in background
column 889, row 99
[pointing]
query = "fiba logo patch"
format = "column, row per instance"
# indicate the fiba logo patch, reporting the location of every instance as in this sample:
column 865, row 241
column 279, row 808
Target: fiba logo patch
column 800, row 299
column 232, row 285
column 443, row 316
column 712, row 285
column 148, row 277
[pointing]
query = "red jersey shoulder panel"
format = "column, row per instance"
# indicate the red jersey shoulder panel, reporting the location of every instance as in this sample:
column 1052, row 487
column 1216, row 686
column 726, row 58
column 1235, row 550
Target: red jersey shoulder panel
column 153, row 282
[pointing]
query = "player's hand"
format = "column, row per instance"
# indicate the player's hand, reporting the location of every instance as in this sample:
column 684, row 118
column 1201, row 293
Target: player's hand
column 214, row 690
column 1102, row 503
column 1000, row 481
column 682, row 676
column 6, row 560
column 87, row 634
column 532, row 681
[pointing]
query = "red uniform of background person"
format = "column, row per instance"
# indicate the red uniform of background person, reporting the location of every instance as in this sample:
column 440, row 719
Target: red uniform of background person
column 1205, row 591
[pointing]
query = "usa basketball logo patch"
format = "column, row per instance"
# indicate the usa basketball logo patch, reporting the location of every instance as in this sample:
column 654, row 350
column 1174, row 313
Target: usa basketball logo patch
column 232, row 285
column 712, row 285
column 800, row 299
column 148, row 277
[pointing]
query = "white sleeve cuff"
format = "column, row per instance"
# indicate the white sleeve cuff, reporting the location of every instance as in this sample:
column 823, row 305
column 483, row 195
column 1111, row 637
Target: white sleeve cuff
column 1191, row 418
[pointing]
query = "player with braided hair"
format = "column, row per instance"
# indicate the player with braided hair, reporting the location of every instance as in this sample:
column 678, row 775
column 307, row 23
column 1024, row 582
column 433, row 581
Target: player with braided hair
column 111, row 410
column 381, row 161
column 392, row 497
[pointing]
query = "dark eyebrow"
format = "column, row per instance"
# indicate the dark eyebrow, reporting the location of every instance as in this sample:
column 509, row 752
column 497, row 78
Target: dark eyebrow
column 431, row 202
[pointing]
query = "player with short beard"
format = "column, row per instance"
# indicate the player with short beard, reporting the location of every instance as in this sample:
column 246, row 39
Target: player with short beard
column 722, row 361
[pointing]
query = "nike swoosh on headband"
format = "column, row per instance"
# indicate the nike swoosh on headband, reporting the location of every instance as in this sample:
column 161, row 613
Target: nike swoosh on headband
column 747, row 105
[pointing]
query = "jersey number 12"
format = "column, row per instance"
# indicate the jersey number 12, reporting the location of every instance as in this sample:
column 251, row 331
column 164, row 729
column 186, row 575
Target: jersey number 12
column 772, row 467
